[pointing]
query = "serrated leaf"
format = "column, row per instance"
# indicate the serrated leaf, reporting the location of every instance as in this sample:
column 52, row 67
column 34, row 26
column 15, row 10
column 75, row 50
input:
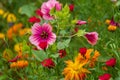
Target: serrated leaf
column 39, row 55
column 66, row 42
column 63, row 44
column 28, row 9
column 60, row 45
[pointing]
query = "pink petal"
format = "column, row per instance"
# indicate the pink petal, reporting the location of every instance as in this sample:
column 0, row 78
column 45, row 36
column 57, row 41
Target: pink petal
column 79, row 22
column 52, row 39
column 47, row 17
column 36, row 28
column 44, row 8
column 92, row 37
column 58, row 6
column 35, row 39
column 47, row 27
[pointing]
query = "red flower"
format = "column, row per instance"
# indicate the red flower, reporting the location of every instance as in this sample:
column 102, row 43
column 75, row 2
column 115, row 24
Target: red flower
column 111, row 62
column 38, row 12
column 48, row 63
column 62, row 53
column 82, row 51
column 92, row 37
column 34, row 19
column 43, row 45
column 105, row 76
column 71, row 7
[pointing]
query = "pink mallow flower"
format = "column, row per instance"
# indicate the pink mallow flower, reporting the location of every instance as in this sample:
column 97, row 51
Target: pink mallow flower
column 92, row 37
column 80, row 22
column 40, row 34
column 47, row 6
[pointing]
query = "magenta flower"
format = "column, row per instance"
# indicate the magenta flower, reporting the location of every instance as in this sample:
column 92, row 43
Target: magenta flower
column 92, row 37
column 42, row 34
column 47, row 6
column 80, row 22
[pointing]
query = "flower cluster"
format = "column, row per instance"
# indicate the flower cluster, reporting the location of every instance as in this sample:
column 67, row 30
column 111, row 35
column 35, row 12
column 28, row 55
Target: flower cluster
column 112, row 24
column 19, row 64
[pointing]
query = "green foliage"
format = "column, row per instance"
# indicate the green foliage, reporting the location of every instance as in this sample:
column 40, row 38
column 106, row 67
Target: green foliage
column 63, row 44
column 80, row 33
column 39, row 55
column 28, row 9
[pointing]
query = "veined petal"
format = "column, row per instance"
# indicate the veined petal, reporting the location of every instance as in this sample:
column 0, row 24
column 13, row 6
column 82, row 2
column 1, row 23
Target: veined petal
column 51, row 39
column 35, row 39
column 36, row 28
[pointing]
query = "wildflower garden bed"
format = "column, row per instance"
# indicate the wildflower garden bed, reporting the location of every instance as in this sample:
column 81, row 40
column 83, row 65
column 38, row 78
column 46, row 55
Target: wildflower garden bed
column 60, row 40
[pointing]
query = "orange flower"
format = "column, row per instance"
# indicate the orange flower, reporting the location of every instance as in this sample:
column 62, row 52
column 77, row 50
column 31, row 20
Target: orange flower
column 19, row 64
column 75, row 70
column 14, row 30
column 13, row 65
column 88, row 58
column 24, row 31
column 10, row 33
column 16, row 27
column 112, row 28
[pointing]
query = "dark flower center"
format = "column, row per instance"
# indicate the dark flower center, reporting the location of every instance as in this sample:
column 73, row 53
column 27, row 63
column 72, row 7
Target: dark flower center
column 44, row 35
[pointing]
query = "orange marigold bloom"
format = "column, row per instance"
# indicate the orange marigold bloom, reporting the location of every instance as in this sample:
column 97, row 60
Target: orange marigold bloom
column 75, row 70
column 112, row 28
column 10, row 33
column 19, row 64
column 13, row 65
column 87, row 57
column 16, row 27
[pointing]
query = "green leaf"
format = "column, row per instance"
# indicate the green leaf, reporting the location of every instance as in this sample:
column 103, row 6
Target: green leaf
column 66, row 9
column 39, row 55
column 62, row 32
column 81, row 33
column 66, row 42
column 63, row 44
column 60, row 45
column 54, row 55
column 28, row 9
